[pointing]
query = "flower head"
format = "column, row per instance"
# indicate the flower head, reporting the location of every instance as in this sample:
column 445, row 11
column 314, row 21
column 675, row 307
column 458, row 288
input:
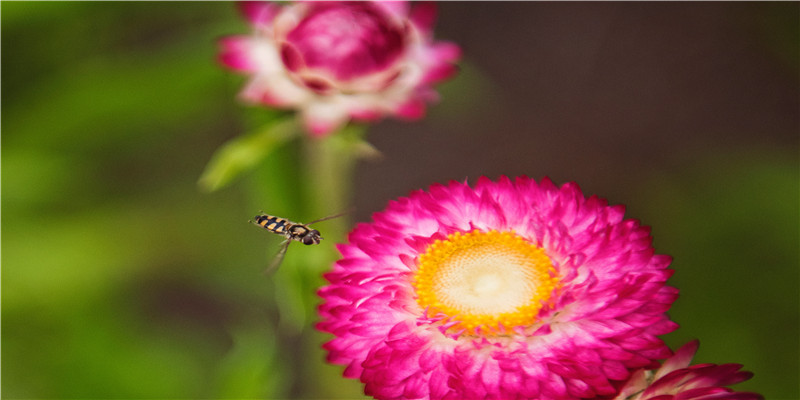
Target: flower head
column 336, row 61
column 676, row 380
column 510, row 289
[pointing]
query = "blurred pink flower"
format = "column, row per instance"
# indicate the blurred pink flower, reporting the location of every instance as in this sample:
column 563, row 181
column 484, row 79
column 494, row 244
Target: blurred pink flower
column 336, row 61
column 511, row 289
column 676, row 380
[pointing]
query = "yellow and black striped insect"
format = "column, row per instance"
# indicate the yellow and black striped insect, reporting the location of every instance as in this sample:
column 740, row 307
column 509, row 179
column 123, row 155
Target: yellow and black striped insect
column 290, row 231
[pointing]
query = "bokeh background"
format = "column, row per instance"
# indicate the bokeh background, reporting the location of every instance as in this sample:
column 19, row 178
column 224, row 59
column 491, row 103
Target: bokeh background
column 121, row 279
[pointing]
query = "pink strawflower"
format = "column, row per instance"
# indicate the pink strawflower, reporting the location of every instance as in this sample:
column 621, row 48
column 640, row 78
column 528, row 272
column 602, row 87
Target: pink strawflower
column 676, row 380
column 336, row 61
column 511, row 289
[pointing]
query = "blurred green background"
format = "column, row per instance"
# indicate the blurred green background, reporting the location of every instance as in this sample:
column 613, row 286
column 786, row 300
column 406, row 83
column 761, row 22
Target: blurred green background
column 121, row 279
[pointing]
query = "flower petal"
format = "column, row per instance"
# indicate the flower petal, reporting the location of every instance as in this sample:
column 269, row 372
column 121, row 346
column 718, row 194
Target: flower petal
column 601, row 325
column 337, row 61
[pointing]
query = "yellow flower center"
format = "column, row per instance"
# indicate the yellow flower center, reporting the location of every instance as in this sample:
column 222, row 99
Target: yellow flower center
column 484, row 280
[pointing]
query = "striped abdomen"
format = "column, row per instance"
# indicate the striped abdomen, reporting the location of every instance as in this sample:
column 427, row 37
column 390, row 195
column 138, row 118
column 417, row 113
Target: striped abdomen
column 273, row 224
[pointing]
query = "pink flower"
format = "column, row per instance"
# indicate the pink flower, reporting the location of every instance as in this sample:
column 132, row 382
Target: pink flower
column 336, row 61
column 511, row 289
column 676, row 380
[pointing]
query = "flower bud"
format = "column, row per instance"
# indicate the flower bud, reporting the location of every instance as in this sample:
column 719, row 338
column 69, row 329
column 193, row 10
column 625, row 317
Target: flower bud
column 337, row 61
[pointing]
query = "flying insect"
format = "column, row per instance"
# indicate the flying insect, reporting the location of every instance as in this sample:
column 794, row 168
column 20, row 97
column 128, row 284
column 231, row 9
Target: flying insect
column 296, row 231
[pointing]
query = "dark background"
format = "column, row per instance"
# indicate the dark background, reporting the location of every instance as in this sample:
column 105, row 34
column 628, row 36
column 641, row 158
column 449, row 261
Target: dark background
column 120, row 279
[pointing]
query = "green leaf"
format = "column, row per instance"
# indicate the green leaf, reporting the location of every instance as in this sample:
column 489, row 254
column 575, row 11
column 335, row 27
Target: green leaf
column 244, row 153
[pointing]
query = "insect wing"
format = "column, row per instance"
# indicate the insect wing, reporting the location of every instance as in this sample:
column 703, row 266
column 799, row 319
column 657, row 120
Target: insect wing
column 278, row 259
column 330, row 217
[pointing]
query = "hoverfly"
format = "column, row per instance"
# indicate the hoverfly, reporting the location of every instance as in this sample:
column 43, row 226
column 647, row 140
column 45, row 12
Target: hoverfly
column 290, row 231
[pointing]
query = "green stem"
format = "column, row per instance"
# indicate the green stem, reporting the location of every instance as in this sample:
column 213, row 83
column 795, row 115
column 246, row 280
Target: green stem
column 329, row 176
column 329, row 166
column 303, row 180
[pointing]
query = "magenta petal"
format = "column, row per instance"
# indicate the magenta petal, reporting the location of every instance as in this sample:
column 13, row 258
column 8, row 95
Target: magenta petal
column 333, row 62
column 601, row 324
column 259, row 13
column 291, row 57
column 676, row 380
column 413, row 109
column 415, row 387
column 235, row 53
column 681, row 359
column 423, row 15
column 394, row 9
column 365, row 115
column 439, row 73
column 370, row 44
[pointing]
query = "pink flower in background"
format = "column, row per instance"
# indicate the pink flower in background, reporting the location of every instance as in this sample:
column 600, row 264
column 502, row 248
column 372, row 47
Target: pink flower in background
column 336, row 61
column 511, row 289
column 676, row 380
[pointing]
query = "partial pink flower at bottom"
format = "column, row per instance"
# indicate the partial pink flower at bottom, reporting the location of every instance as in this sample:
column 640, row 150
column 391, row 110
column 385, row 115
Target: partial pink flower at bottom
column 507, row 290
column 677, row 380
column 336, row 61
